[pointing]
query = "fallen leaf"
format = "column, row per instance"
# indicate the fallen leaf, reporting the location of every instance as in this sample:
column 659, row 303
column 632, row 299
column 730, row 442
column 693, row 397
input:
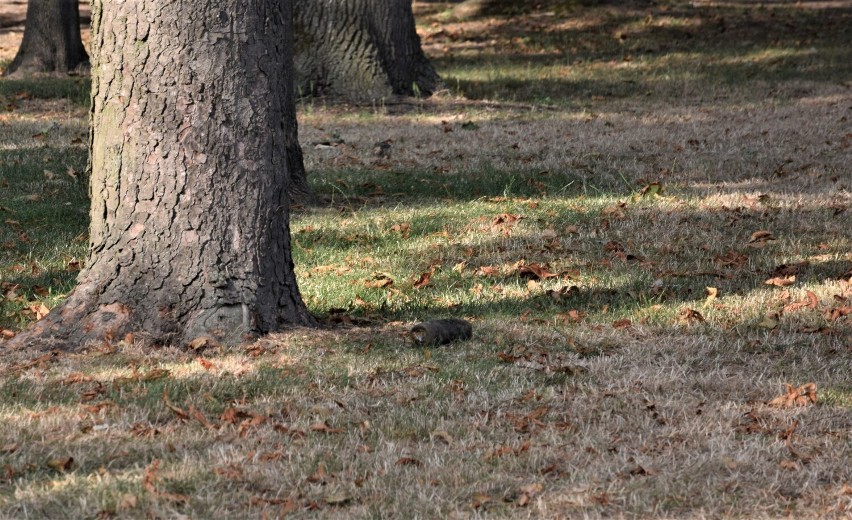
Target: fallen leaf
column 795, row 396
column 181, row 413
column 379, row 281
column 760, row 238
column 202, row 342
column 337, row 499
column 318, row 476
column 231, row 415
column 712, row 293
column 731, row 259
column 621, row 324
column 155, row 374
column 403, row 229
column 781, row 281
column 487, row 270
column 408, row 461
column 790, row 269
column 536, row 271
column 76, row 377
column 198, row 416
column 479, row 500
column 208, row 365
column 323, row 427
column 63, row 464
column 789, row 465
column 443, row 436
column 690, row 315
column 423, row 281
column 39, row 309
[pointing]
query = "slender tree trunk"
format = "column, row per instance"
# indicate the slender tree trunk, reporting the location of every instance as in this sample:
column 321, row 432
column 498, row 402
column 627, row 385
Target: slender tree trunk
column 51, row 39
column 360, row 50
column 189, row 231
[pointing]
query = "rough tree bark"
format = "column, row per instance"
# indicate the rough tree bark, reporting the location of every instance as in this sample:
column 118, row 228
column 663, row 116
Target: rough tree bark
column 51, row 40
column 189, row 231
column 360, row 50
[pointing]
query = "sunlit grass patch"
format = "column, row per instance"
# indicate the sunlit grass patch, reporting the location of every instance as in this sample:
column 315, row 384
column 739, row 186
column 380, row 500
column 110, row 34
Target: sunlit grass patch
column 647, row 261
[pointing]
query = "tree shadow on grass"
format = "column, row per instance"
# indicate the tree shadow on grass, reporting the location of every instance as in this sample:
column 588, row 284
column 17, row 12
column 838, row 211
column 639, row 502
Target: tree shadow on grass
column 660, row 47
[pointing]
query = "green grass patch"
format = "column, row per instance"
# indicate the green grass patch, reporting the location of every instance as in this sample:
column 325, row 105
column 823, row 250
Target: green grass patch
column 76, row 90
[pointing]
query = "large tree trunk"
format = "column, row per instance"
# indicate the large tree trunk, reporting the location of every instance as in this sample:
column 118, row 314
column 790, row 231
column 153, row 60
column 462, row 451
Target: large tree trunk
column 51, row 39
column 189, row 232
column 360, row 50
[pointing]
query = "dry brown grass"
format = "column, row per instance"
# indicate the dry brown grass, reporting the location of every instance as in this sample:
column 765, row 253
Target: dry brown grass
column 633, row 396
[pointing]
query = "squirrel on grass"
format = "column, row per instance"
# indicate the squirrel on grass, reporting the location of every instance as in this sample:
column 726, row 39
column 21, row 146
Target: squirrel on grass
column 441, row 332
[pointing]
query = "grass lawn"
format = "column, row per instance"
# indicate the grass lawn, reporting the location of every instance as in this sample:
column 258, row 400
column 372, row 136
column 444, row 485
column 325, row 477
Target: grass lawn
column 644, row 209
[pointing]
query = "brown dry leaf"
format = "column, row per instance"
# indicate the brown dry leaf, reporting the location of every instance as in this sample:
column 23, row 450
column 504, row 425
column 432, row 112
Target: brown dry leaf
column 338, row 499
column 565, row 292
column 760, row 238
column 505, row 219
column 180, row 412
column 208, row 365
column 403, row 229
column 231, row 415
column 155, row 374
column 789, row 465
column 379, row 281
column 846, row 489
column 39, row 309
column 795, row 396
column 781, row 281
column 318, row 476
column 731, row 259
column 790, row 269
column 487, row 270
column 622, row 324
column 248, row 424
column 76, row 377
column 424, row 280
column 6, row 333
column 443, row 436
column 536, row 271
column 690, row 315
column 324, row 427
column 528, row 492
column 202, row 342
column 231, row 471
column 811, row 301
column 41, row 291
column 479, row 500
column 62, row 464
column 408, row 461
column 198, row 416
column 712, row 293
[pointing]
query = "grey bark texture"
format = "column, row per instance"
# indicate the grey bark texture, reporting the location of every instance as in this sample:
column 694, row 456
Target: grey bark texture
column 51, row 42
column 360, row 50
column 189, row 220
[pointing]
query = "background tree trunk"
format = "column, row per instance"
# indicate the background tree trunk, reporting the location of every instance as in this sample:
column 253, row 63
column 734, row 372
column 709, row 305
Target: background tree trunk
column 189, row 218
column 51, row 40
column 360, row 50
